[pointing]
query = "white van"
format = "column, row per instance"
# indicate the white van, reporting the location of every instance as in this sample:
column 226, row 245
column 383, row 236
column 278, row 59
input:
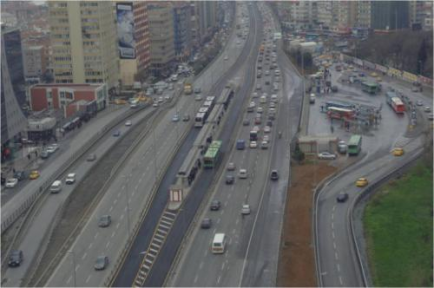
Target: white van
column 56, row 187
column 219, row 243
column 263, row 99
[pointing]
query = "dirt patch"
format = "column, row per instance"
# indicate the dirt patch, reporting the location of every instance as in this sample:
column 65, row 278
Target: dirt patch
column 297, row 259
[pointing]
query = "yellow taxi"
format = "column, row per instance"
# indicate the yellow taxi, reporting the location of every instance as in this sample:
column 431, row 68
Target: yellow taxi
column 374, row 74
column 34, row 174
column 361, row 182
column 398, row 151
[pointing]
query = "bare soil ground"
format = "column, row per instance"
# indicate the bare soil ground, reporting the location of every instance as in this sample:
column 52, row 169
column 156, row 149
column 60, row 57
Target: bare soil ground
column 297, row 260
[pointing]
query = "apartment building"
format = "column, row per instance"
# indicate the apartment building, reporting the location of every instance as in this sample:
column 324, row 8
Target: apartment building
column 182, row 30
column 421, row 15
column 161, row 31
column 83, row 39
column 35, row 61
column 133, row 41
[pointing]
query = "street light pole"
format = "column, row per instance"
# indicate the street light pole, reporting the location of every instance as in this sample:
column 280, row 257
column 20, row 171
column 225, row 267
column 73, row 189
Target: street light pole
column 127, row 198
column 73, row 268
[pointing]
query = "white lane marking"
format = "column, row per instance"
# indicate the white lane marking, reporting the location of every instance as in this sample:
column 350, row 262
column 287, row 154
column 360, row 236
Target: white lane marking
column 333, row 235
column 223, row 265
column 334, row 245
column 113, row 234
column 117, row 225
column 218, row 280
column 333, row 225
column 204, row 254
column 84, row 256
column 90, row 246
column 334, row 208
column 88, row 278
column 215, row 229
column 238, row 220
column 233, row 231
column 336, row 256
column 108, row 243
column 96, row 235
column 122, row 217
column 333, row 216
column 339, row 267
column 69, row 279
column 201, row 265
column 218, row 221
column 221, row 212
column 77, row 267
column 340, row 280
column 111, row 208
column 195, row 278
column 115, row 201
column 229, row 195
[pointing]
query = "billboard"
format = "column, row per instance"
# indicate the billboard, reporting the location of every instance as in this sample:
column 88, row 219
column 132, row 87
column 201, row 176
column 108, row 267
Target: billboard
column 126, row 41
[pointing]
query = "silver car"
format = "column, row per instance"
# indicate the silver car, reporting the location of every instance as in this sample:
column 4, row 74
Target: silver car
column 326, row 156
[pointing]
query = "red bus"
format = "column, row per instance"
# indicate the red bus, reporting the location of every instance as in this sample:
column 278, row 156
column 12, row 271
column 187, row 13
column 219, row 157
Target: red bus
column 397, row 105
column 340, row 113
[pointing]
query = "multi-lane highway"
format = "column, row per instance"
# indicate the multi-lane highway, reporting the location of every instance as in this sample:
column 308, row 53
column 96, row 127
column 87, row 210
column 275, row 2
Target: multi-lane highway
column 253, row 240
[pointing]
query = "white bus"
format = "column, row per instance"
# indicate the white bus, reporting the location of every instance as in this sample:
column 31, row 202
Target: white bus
column 199, row 120
column 219, row 243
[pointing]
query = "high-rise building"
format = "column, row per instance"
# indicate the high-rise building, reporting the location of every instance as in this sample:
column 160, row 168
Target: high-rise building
column 83, row 39
column 133, row 41
column 182, row 29
column 207, row 18
column 390, row 15
column 421, row 14
column 13, row 96
column 327, row 14
column 363, row 14
column 161, row 33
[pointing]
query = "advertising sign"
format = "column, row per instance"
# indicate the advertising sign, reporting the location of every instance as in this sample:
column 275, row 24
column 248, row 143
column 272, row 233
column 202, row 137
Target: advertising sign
column 126, row 41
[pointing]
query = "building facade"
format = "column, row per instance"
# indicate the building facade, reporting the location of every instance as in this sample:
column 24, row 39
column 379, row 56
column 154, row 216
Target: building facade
column 207, row 19
column 134, row 26
column 13, row 97
column 67, row 97
column 35, row 61
column 421, row 15
column 161, row 38
column 83, row 39
column 390, row 15
column 182, row 30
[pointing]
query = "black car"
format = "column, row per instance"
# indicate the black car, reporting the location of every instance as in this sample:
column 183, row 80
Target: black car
column 270, row 123
column 91, row 157
column 206, row 223
column 230, row 179
column 342, row 197
column 117, row 133
column 274, row 175
column 20, row 175
column 15, row 258
column 215, row 205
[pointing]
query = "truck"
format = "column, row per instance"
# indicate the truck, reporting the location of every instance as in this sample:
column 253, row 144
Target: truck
column 188, row 88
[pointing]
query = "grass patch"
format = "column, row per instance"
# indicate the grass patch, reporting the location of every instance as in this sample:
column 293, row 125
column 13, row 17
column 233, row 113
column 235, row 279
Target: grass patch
column 398, row 225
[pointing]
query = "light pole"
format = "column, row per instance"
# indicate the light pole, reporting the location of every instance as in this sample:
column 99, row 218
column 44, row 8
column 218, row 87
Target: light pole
column 127, row 198
column 73, row 267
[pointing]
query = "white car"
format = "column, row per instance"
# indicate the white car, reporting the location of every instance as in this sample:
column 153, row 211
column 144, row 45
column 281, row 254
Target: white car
column 259, row 110
column 255, row 95
column 267, row 129
column 70, row 179
column 198, row 98
column 226, row 58
column 245, row 210
column 264, row 145
column 128, row 123
column 155, row 104
column 326, row 156
column 11, row 182
column 242, row 174
column 266, row 138
column 272, row 105
column 253, row 144
column 50, row 150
